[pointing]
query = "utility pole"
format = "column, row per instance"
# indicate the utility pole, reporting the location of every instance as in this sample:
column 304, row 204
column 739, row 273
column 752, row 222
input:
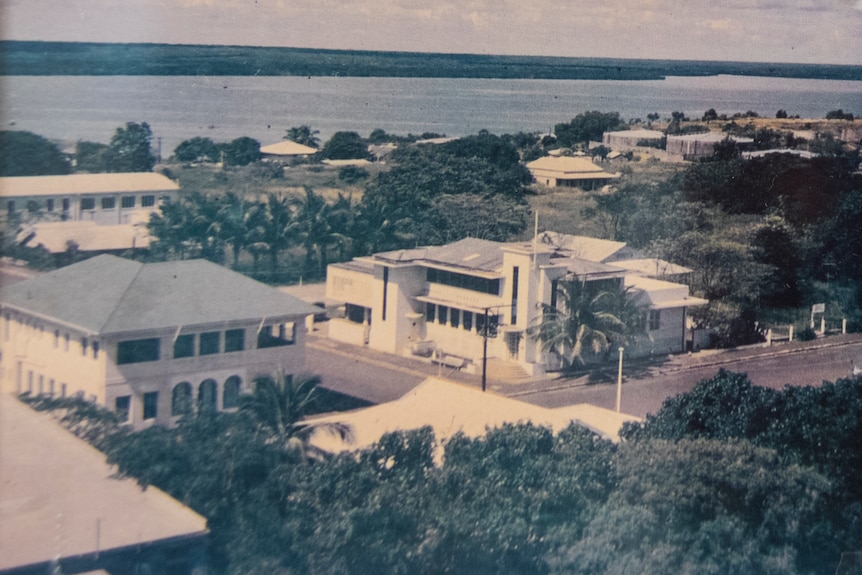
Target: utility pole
column 485, row 351
column 620, row 382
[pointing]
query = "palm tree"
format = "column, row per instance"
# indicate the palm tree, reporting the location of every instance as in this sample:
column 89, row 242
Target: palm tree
column 586, row 322
column 232, row 223
column 315, row 217
column 278, row 405
column 278, row 227
column 304, row 135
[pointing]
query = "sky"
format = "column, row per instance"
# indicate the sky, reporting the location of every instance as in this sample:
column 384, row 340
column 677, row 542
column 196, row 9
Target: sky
column 805, row 31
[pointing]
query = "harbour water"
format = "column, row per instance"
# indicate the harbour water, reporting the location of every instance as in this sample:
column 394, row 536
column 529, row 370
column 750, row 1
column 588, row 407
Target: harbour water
column 71, row 108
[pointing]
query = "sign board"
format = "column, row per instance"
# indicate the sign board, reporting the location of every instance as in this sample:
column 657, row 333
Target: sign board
column 818, row 308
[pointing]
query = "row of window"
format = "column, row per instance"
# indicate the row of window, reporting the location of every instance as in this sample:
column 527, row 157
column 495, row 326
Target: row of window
column 183, row 399
column 42, row 389
column 464, row 319
column 107, row 203
column 464, row 281
column 206, row 343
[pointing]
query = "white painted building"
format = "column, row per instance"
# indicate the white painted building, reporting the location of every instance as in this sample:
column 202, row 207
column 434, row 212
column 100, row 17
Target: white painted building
column 436, row 301
column 107, row 199
column 152, row 341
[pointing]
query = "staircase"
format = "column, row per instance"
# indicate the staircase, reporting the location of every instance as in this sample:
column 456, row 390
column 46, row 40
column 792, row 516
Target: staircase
column 506, row 371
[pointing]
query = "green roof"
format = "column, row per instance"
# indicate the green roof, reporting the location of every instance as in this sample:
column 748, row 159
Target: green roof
column 107, row 294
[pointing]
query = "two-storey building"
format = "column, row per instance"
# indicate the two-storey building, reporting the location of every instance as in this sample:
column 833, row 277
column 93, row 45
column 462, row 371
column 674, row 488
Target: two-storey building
column 152, row 341
column 437, row 301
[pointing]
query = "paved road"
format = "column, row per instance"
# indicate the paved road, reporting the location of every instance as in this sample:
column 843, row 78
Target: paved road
column 646, row 395
column 378, row 377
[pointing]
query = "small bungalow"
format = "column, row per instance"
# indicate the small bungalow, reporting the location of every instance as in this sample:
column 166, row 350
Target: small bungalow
column 570, row 172
column 286, row 150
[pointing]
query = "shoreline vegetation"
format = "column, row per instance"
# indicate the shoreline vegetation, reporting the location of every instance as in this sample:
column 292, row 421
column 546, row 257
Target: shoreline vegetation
column 30, row 58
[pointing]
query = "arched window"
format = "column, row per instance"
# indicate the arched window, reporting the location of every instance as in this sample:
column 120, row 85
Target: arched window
column 231, row 391
column 208, row 396
column 181, row 399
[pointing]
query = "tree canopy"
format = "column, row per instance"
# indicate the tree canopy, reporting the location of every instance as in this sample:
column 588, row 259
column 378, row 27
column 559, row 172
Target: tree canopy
column 130, row 149
column 28, row 154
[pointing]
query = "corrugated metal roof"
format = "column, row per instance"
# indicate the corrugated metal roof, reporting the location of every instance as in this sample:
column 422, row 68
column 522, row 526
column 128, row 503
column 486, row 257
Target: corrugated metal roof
column 81, row 184
column 583, row 247
column 469, row 253
column 107, row 294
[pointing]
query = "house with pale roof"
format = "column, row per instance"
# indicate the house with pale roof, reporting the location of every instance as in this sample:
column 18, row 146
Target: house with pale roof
column 450, row 408
column 570, row 172
column 692, row 147
column 286, row 150
column 151, row 341
column 440, row 302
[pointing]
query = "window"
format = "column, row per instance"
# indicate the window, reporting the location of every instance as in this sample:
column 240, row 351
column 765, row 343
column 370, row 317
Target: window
column 10, row 206
column 514, row 307
column 127, row 202
column 151, row 405
column 210, row 343
column 148, row 201
column 41, row 384
column 49, row 205
column 123, row 407
column 63, row 390
column 455, row 317
column 33, row 206
column 184, row 346
column 67, row 338
column 84, row 346
column 138, row 350
column 51, row 387
column 430, row 312
column 88, row 203
column 109, row 203
column 56, row 338
column 234, row 340
column 286, row 335
column 95, row 350
column 467, row 320
column 464, row 281
column 208, row 396
column 654, row 319
column 181, row 399
column 230, row 395
column 442, row 314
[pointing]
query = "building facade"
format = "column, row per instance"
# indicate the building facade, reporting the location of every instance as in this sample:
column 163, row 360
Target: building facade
column 436, row 302
column 107, row 199
column 151, row 341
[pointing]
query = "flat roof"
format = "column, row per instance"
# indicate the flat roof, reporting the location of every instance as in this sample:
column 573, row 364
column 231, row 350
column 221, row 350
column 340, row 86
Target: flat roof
column 83, row 184
column 567, row 165
column 89, row 236
column 59, row 497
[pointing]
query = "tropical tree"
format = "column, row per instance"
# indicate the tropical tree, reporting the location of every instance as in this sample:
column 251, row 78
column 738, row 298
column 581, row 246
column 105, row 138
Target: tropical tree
column 196, row 150
column 242, row 151
column 278, row 228
column 130, row 149
column 171, row 227
column 586, row 322
column 277, row 406
column 232, row 224
column 304, row 135
column 345, row 146
column 314, row 216
column 28, row 154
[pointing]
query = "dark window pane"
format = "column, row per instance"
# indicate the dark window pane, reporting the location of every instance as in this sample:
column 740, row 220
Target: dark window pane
column 231, row 392
column 234, row 340
column 207, row 396
column 138, row 350
column 184, row 346
column 210, row 343
column 181, row 399
column 122, row 406
column 151, row 405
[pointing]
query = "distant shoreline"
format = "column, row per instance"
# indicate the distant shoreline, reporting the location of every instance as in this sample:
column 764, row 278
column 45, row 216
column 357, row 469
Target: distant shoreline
column 23, row 58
